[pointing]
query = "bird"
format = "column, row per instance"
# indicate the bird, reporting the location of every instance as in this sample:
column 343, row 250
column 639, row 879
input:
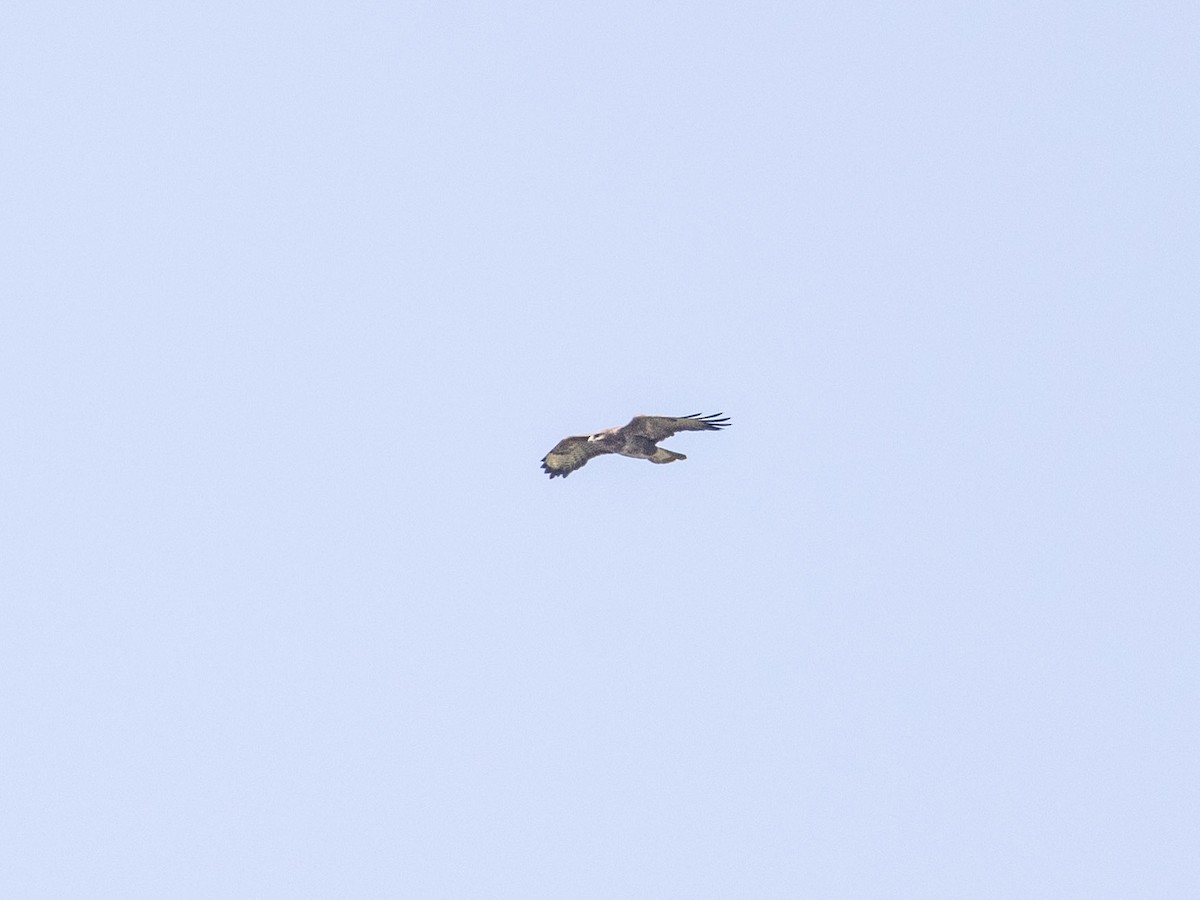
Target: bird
column 639, row 439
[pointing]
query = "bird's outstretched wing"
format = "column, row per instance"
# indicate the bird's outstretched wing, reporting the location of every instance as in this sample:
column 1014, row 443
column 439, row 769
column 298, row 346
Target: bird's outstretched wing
column 659, row 428
column 570, row 454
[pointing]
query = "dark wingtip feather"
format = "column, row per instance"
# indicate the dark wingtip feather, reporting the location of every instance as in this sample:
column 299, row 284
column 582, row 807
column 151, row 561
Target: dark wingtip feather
column 714, row 421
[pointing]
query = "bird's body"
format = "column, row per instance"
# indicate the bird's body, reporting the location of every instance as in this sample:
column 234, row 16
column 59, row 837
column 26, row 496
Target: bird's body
column 639, row 439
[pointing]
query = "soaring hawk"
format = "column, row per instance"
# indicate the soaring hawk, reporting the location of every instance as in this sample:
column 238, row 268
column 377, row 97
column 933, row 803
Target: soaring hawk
column 638, row 439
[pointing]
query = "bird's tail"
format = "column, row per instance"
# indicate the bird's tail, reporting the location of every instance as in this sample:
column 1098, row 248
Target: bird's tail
column 663, row 455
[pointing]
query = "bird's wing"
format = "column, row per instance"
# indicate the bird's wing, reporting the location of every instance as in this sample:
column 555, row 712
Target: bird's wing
column 659, row 428
column 569, row 454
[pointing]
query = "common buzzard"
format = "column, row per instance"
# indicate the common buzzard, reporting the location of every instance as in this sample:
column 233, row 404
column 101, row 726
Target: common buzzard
column 638, row 439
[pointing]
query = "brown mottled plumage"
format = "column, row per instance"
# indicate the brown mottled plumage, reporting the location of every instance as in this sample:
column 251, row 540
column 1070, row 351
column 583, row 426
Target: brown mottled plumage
column 638, row 439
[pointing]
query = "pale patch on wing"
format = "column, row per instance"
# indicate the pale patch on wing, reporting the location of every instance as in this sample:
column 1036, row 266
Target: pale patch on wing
column 567, row 459
column 569, row 454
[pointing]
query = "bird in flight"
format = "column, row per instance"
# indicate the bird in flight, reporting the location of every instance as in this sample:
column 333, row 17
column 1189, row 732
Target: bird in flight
column 638, row 439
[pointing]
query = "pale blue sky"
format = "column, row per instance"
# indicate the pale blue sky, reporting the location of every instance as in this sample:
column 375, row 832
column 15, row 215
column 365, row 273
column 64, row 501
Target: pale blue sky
column 296, row 295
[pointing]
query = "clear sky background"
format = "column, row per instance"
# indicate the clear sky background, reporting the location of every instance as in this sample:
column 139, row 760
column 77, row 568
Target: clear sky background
column 295, row 297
